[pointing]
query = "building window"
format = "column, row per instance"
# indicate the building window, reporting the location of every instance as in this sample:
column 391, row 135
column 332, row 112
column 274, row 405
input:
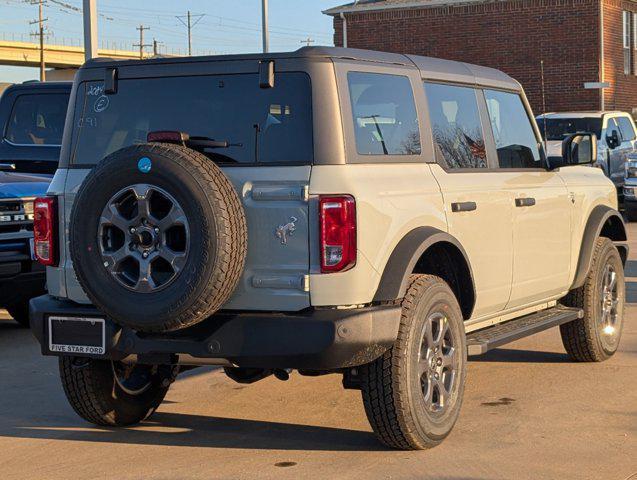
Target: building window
column 635, row 41
column 626, row 36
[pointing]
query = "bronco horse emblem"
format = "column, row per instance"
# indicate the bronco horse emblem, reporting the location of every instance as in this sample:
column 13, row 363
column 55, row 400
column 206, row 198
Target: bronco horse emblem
column 283, row 231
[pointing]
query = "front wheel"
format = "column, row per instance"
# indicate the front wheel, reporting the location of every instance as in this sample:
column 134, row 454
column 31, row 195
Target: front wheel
column 114, row 393
column 413, row 393
column 595, row 337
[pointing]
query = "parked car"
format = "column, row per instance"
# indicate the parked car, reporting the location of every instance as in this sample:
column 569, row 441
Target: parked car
column 615, row 133
column 327, row 210
column 31, row 125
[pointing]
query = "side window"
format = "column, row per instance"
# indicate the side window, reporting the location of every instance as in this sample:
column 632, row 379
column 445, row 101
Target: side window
column 385, row 119
column 611, row 127
column 456, row 127
column 37, row 119
column 626, row 129
column 514, row 136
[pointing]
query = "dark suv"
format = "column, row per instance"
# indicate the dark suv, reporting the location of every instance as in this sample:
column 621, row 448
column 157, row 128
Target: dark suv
column 32, row 121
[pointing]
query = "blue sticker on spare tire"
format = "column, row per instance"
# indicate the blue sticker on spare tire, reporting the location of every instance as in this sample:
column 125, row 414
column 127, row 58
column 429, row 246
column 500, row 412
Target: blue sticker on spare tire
column 144, row 164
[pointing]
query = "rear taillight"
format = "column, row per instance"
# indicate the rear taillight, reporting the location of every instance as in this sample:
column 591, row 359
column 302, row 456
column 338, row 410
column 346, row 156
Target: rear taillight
column 338, row 232
column 44, row 230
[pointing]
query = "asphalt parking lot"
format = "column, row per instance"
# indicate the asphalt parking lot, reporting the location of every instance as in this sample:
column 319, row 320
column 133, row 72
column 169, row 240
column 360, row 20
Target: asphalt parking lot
column 528, row 414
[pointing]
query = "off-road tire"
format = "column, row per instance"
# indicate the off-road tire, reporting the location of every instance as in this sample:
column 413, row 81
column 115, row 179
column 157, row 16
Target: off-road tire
column 390, row 385
column 582, row 338
column 20, row 312
column 217, row 243
column 92, row 391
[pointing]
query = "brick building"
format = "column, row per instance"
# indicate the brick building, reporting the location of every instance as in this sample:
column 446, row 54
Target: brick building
column 577, row 41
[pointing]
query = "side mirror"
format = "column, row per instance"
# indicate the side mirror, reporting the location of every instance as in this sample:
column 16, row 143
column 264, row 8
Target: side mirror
column 612, row 140
column 579, row 149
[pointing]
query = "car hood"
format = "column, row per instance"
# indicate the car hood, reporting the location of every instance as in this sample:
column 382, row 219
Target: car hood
column 21, row 185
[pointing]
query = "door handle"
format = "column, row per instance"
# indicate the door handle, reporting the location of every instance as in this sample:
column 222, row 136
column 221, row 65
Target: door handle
column 463, row 206
column 7, row 166
column 524, row 202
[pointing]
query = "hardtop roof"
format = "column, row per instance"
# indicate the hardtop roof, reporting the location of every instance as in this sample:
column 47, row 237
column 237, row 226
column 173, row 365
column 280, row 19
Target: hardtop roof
column 431, row 68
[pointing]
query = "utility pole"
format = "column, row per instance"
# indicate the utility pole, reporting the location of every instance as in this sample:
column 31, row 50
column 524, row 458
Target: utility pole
column 141, row 43
column 188, row 23
column 89, row 11
column 156, row 47
column 264, row 26
column 40, row 21
column 308, row 41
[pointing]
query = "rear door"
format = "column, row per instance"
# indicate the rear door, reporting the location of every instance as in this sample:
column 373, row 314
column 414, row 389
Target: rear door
column 478, row 206
column 269, row 161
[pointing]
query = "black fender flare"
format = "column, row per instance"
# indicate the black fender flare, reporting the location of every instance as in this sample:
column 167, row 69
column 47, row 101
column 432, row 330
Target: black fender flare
column 395, row 277
column 598, row 218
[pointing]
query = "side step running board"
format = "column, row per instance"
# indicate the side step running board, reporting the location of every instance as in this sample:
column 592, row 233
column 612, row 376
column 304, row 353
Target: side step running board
column 481, row 341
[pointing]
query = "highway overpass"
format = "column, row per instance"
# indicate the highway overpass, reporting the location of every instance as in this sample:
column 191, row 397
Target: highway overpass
column 26, row 54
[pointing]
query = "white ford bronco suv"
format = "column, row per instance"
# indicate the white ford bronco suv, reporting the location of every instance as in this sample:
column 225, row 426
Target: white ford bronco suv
column 376, row 215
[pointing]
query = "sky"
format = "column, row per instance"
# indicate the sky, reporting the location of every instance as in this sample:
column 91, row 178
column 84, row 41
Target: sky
column 227, row 26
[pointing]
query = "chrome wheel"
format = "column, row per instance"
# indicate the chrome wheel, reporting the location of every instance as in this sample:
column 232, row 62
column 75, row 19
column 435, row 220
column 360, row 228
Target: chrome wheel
column 609, row 316
column 437, row 363
column 143, row 237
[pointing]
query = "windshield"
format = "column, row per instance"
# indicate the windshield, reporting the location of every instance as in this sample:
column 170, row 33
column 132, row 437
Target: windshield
column 262, row 125
column 560, row 128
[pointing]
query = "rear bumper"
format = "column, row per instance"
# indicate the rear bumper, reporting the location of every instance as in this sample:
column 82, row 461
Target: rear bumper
column 322, row 339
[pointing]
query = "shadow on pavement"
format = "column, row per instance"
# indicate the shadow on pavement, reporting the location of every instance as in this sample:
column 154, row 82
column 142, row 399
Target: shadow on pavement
column 183, row 430
column 521, row 356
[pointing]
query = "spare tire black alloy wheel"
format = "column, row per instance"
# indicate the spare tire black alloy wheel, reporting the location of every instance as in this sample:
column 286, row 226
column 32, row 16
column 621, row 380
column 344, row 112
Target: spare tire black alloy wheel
column 143, row 237
column 158, row 248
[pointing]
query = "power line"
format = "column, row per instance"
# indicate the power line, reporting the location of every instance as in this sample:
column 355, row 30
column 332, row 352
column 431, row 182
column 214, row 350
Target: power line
column 141, row 43
column 189, row 25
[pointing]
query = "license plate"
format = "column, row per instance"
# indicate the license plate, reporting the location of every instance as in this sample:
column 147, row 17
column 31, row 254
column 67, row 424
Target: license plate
column 77, row 335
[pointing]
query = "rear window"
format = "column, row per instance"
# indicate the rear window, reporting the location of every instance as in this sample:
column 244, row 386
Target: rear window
column 37, row 119
column 272, row 125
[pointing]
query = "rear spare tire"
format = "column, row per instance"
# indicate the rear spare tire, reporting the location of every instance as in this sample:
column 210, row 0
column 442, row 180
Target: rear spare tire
column 158, row 237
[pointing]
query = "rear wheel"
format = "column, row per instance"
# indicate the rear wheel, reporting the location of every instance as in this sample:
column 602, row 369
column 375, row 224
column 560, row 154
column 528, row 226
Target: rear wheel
column 113, row 393
column 413, row 393
column 20, row 312
column 595, row 337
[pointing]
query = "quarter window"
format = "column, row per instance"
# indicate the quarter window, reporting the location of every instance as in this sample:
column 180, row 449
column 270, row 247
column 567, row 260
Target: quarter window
column 456, row 127
column 626, row 129
column 514, row 136
column 385, row 119
column 37, row 119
